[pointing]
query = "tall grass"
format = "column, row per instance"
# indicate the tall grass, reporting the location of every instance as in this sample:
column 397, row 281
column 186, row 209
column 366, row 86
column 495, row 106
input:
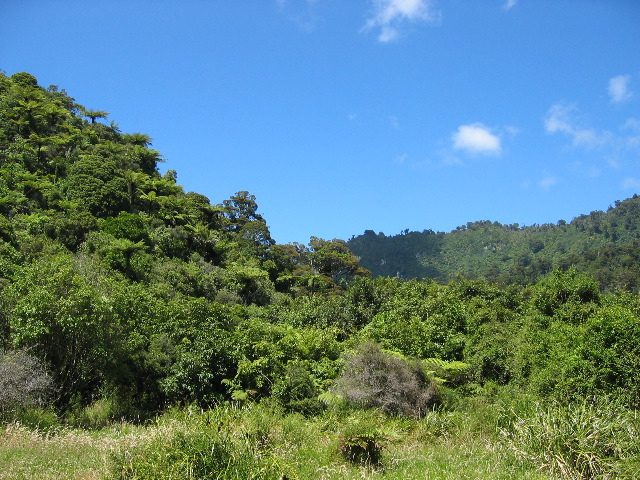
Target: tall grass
column 55, row 454
column 261, row 442
column 586, row 440
column 477, row 440
column 193, row 445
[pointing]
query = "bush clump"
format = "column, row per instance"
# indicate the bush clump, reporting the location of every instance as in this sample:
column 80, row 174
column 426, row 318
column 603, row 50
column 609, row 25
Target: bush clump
column 24, row 382
column 296, row 390
column 364, row 449
column 192, row 448
column 374, row 379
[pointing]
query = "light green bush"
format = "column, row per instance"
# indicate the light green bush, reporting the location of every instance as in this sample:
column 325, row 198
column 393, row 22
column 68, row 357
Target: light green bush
column 192, row 448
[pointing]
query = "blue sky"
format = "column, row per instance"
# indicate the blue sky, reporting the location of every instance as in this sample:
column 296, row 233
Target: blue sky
column 346, row 115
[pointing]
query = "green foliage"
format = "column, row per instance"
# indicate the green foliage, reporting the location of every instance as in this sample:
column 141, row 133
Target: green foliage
column 606, row 357
column 64, row 320
column 361, row 440
column 297, row 391
column 421, row 320
column 192, row 449
column 41, row 419
column 24, row 79
column 201, row 343
column 435, row 424
column 98, row 185
column 453, row 373
column 604, row 244
column 362, row 449
column 266, row 351
column 99, row 414
column 585, row 440
column 136, row 296
column 565, row 294
column 127, row 225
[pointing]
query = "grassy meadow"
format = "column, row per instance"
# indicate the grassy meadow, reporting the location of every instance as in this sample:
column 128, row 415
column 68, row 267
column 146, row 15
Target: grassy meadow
column 259, row 441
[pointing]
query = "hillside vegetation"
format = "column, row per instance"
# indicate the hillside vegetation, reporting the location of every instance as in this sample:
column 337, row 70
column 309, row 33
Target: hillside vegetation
column 604, row 244
column 169, row 337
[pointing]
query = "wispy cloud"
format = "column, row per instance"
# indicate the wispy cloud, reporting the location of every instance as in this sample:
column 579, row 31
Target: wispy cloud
column 509, row 4
column 548, row 182
column 631, row 183
column 476, row 139
column 619, row 90
column 391, row 17
column 593, row 172
column 632, row 125
column 371, row 118
column 585, row 169
column 561, row 119
column 301, row 12
column 394, row 121
column 400, row 159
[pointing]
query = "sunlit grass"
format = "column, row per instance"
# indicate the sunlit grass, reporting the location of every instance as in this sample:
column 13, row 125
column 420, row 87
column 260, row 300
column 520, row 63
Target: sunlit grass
column 27, row 454
column 585, row 440
column 63, row 453
column 264, row 443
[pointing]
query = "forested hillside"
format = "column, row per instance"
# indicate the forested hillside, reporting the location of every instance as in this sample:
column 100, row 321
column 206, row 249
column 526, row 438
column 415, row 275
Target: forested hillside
column 122, row 296
column 604, row 244
column 101, row 254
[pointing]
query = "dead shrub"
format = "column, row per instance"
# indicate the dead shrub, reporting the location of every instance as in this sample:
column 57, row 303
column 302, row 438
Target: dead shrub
column 24, row 382
column 374, row 379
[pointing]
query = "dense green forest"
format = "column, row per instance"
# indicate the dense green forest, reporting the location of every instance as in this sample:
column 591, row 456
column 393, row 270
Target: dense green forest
column 123, row 297
column 606, row 245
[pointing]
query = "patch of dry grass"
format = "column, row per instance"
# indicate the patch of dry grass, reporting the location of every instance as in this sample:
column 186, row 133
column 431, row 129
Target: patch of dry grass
column 62, row 453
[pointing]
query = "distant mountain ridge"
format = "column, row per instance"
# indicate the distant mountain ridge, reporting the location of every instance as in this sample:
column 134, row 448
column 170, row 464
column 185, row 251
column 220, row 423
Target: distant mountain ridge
column 604, row 244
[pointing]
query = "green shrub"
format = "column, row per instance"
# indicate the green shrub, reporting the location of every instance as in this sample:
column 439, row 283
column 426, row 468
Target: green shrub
column 363, row 449
column 38, row 418
column 361, row 441
column 99, row 414
column 296, row 390
column 192, row 448
column 607, row 356
column 435, row 424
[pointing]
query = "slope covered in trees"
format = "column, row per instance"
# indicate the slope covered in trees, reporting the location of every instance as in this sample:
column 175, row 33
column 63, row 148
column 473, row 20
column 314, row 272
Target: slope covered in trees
column 122, row 294
column 111, row 272
column 603, row 244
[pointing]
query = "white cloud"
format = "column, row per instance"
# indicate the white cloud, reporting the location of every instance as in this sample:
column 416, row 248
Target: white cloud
column 509, row 4
column 619, row 89
column 476, row 139
column 301, row 12
column 561, row 119
column 511, row 130
column 631, row 183
column 390, row 16
column 632, row 125
column 593, row 172
column 401, row 159
column 395, row 123
column 558, row 119
column 548, row 182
